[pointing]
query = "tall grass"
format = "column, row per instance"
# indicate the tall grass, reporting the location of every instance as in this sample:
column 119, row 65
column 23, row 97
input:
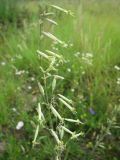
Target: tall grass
column 8, row 10
column 91, row 52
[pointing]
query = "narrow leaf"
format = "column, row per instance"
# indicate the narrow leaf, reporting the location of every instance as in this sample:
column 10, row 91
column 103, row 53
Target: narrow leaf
column 65, row 98
column 41, row 89
column 51, row 36
column 53, row 84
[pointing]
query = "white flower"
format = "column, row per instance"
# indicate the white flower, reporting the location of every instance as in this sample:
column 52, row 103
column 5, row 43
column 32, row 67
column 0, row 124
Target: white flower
column 3, row 63
column 77, row 54
column 89, row 55
column 32, row 79
column 72, row 90
column 71, row 44
column 87, row 58
column 14, row 109
column 83, row 72
column 68, row 69
column 117, row 68
column 118, row 81
column 18, row 73
column 20, row 124
column 29, row 87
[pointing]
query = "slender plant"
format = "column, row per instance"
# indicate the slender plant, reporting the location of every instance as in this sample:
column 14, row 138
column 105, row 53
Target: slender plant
column 50, row 117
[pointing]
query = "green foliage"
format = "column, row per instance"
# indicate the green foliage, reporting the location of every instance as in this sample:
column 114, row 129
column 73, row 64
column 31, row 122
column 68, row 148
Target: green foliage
column 8, row 10
column 90, row 47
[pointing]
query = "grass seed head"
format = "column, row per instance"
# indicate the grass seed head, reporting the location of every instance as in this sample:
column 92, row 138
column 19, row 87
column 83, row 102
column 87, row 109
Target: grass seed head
column 67, row 105
column 41, row 89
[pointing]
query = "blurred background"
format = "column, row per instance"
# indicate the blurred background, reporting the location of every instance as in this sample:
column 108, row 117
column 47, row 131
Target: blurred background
column 92, row 76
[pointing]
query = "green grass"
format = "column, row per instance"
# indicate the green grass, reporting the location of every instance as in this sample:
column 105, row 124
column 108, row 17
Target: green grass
column 94, row 29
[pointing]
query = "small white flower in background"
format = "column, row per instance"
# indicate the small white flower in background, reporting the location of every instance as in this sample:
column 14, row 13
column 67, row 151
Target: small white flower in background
column 77, row 54
column 117, row 68
column 14, row 109
column 29, row 87
column 71, row 44
column 32, row 79
column 18, row 73
column 69, row 70
column 72, row 90
column 87, row 58
column 89, row 55
column 118, row 81
column 20, row 124
column 83, row 72
column 3, row 63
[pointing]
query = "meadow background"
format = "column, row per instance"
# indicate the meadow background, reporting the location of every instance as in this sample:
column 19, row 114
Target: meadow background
column 91, row 72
